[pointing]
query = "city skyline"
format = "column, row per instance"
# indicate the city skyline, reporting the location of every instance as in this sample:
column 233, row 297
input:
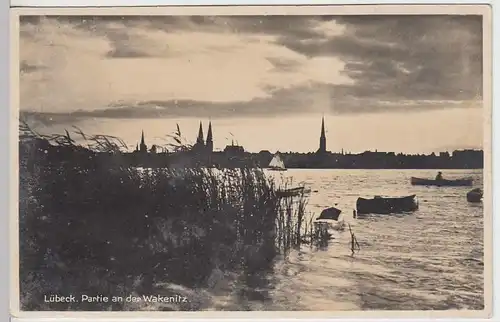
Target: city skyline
column 157, row 132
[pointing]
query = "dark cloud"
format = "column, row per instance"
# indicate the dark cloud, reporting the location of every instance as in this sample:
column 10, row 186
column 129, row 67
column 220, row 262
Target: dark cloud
column 300, row 26
column 301, row 99
column 284, row 65
column 124, row 47
column 282, row 101
column 406, row 57
column 411, row 57
column 48, row 119
column 121, row 52
column 297, row 26
column 120, row 42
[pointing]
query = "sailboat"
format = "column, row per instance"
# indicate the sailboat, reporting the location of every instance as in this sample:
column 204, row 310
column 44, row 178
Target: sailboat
column 277, row 163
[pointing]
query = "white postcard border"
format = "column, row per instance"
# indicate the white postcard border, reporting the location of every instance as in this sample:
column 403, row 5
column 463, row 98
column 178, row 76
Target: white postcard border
column 12, row 113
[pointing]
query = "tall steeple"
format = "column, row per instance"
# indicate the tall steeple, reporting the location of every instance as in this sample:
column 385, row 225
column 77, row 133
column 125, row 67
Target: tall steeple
column 323, row 127
column 210, row 140
column 322, row 138
column 143, row 147
column 199, row 140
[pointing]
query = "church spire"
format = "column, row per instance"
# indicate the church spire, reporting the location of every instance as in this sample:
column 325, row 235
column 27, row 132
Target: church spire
column 199, row 140
column 323, row 127
column 143, row 147
column 210, row 140
column 322, row 138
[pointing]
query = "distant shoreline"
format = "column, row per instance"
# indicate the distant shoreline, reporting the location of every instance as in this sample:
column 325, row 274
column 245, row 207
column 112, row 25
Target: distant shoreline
column 449, row 169
column 375, row 169
column 302, row 168
column 234, row 157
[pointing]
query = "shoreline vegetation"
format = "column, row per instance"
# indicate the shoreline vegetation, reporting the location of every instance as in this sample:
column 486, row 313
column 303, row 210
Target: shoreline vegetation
column 95, row 228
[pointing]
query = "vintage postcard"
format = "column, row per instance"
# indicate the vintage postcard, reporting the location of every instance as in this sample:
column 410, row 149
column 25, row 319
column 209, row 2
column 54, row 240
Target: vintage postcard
column 312, row 161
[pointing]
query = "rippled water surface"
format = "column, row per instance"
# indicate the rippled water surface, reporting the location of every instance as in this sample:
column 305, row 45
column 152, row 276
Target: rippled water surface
column 430, row 259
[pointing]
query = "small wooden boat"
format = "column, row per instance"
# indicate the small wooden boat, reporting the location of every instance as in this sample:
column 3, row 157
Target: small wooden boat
column 387, row 205
column 442, row 182
column 475, row 195
column 292, row 192
column 331, row 213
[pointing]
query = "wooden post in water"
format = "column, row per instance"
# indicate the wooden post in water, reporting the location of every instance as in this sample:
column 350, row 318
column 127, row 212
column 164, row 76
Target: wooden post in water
column 354, row 242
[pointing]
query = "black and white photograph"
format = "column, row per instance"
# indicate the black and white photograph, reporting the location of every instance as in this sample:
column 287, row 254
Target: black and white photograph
column 329, row 162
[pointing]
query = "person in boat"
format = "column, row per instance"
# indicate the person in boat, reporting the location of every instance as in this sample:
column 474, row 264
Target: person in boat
column 439, row 176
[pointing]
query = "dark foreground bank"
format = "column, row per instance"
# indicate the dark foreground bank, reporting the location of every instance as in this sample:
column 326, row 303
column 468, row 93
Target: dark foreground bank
column 89, row 228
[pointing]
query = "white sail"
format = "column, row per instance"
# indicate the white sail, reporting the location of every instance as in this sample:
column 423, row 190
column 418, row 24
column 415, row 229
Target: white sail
column 277, row 162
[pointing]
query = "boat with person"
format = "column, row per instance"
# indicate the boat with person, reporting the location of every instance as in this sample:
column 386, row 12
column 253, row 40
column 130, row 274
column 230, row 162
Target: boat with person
column 276, row 163
column 442, row 182
column 475, row 195
column 387, row 205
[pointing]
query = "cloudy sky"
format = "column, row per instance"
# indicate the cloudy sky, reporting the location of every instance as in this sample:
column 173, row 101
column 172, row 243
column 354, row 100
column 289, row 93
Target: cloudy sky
column 394, row 83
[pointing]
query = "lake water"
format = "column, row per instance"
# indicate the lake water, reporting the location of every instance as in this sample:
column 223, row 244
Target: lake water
column 428, row 260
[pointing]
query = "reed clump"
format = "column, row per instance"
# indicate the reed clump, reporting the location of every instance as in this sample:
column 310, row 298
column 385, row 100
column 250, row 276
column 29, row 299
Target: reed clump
column 91, row 224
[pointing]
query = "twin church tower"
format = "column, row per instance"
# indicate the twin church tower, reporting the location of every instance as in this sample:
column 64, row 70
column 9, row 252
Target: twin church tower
column 201, row 145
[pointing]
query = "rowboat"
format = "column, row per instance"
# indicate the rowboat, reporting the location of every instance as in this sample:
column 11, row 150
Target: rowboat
column 475, row 195
column 387, row 205
column 292, row 192
column 442, row 182
column 331, row 213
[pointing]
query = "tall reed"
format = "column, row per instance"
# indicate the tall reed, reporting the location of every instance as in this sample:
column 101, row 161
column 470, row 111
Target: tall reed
column 91, row 224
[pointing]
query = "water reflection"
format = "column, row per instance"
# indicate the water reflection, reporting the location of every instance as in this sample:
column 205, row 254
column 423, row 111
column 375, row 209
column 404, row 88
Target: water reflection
column 254, row 284
column 430, row 259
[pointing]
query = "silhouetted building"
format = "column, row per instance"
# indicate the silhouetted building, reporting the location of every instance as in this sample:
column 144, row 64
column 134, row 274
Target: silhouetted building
column 199, row 139
column 322, row 138
column 468, row 159
column 233, row 149
column 210, row 142
column 202, row 148
column 143, row 147
column 234, row 156
column 199, row 146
